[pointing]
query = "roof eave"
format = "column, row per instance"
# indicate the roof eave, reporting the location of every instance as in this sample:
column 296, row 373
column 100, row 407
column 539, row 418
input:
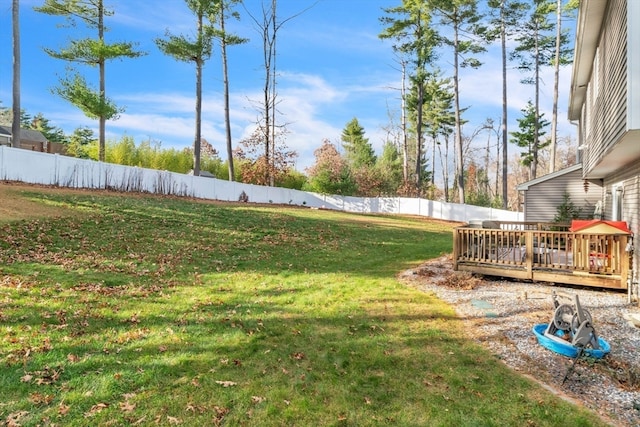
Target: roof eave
column 590, row 18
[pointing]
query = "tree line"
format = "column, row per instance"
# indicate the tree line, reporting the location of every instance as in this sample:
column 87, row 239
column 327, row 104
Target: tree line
column 425, row 34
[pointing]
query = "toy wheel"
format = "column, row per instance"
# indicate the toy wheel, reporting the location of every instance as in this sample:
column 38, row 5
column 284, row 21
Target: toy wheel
column 575, row 324
column 561, row 317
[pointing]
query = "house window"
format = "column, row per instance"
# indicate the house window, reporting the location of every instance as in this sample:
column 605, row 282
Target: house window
column 617, row 193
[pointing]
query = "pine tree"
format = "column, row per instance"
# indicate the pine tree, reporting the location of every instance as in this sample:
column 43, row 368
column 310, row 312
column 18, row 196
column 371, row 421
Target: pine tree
column 532, row 128
column 536, row 49
column 461, row 21
column 409, row 26
column 505, row 20
column 358, row 151
column 198, row 51
column 88, row 51
column 226, row 39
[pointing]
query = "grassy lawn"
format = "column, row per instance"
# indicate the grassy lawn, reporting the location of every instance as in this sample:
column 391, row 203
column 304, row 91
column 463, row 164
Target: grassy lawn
column 123, row 310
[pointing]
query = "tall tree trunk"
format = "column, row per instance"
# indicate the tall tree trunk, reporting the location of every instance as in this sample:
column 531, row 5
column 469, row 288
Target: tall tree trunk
column 485, row 178
column 505, row 140
column 15, row 123
column 225, row 77
column 198, row 136
column 267, row 44
column 444, row 162
column 102, row 120
column 419, row 112
column 434, row 143
column 458, row 120
column 403, row 124
column 271, row 166
column 536, row 125
column 556, row 80
column 419, row 142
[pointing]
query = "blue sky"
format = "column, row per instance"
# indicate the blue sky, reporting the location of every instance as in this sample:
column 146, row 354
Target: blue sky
column 332, row 68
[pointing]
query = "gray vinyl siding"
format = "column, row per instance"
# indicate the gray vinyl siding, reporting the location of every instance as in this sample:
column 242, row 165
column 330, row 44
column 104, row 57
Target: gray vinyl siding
column 541, row 200
column 633, row 64
column 605, row 118
column 629, row 178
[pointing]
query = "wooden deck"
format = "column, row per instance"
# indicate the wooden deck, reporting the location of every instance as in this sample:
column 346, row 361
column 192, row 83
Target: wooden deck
column 542, row 252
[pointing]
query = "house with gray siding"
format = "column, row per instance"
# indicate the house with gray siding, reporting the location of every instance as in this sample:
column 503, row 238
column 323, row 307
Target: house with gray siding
column 605, row 102
column 543, row 196
column 605, row 105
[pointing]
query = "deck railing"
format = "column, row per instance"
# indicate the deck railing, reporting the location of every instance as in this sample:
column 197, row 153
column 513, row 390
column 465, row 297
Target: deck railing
column 542, row 252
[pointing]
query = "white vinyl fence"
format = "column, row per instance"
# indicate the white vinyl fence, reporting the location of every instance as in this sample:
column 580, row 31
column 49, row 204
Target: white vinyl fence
column 56, row 170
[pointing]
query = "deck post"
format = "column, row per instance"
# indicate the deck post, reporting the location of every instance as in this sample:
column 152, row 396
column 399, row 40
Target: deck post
column 624, row 262
column 456, row 248
column 528, row 236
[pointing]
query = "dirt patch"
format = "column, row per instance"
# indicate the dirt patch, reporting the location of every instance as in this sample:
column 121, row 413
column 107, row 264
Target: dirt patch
column 15, row 204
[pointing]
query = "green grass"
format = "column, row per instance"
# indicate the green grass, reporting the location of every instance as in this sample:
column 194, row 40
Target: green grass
column 161, row 311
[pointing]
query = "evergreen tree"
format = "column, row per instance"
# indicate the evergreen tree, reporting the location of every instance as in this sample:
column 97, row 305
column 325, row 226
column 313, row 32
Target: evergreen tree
column 389, row 167
column 460, row 20
column 409, row 25
column 439, row 120
column 52, row 133
column 504, row 23
column 561, row 56
column 88, row 51
column 536, row 49
column 358, row 151
column 198, row 51
column 79, row 142
column 532, row 127
column 226, row 39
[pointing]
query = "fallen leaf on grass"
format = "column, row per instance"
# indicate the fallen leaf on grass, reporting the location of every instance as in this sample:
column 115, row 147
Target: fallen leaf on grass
column 174, row 420
column 13, row 419
column 127, row 406
column 226, row 383
column 221, row 412
column 258, row 399
column 63, row 409
column 95, row 409
column 39, row 398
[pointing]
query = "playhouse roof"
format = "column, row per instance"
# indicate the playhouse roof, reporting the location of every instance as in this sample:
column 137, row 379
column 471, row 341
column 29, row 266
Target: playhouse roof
column 598, row 226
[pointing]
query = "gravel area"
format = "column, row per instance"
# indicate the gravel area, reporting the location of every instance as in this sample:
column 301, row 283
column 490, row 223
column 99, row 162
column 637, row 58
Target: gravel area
column 500, row 315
